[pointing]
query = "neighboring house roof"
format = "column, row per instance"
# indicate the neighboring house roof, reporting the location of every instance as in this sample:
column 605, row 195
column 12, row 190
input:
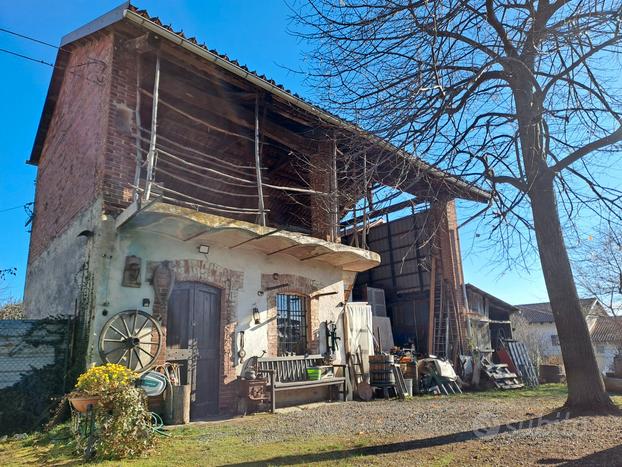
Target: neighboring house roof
column 141, row 18
column 494, row 300
column 607, row 330
column 542, row 313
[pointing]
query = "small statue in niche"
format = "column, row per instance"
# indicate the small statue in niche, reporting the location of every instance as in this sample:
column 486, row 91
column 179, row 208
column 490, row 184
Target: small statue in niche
column 131, row 272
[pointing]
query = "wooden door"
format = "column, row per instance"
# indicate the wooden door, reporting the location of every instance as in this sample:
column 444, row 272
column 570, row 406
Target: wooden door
column 193, row 322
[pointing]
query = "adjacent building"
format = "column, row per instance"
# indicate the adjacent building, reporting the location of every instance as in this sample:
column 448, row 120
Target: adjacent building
column 535, row 325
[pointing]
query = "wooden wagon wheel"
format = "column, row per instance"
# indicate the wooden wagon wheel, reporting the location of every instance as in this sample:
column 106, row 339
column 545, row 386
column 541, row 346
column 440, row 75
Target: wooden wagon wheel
column 131, row 338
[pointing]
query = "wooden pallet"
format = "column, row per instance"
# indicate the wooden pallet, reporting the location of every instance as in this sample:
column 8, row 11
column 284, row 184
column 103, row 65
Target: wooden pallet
column 500, row 375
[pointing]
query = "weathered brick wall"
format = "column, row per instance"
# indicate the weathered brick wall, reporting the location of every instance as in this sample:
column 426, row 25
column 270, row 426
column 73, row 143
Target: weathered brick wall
column 230, row 282
column 446, row 245
column 71, row 164
column 120, row 159
column 298, row 285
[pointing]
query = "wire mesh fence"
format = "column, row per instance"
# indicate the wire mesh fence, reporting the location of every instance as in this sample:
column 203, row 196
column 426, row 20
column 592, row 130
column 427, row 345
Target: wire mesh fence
column 34, row 361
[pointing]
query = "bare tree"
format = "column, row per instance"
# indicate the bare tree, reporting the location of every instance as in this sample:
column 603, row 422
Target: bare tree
column 598, row 267
column 520, row 96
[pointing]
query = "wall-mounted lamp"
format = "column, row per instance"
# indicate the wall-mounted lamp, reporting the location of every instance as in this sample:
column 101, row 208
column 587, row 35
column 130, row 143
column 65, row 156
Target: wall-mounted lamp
column 146, row 302
column 256, row 315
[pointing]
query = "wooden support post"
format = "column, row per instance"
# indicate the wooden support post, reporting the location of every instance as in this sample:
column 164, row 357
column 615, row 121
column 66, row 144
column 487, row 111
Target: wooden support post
column 364, row 229
column 154, row 128
column 139, row 156
column 262, row 213
column 334, row 195
column 391, row 257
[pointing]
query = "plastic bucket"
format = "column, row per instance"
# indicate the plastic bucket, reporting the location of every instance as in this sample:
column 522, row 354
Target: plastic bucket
column 314, row 373
column 409, row 386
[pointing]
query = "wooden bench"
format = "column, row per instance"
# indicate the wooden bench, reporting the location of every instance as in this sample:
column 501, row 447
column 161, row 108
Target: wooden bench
column 290, row 373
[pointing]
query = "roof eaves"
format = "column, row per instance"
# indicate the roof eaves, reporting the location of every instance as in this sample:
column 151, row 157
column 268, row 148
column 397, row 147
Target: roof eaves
column 511, row 308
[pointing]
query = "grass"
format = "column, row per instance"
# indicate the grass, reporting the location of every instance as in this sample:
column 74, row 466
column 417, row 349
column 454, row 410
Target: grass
column 544, row 390
column 221, row 443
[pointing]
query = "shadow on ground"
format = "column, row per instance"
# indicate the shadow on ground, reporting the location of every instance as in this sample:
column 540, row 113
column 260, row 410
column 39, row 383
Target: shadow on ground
column 608, row 457
column 413, row 445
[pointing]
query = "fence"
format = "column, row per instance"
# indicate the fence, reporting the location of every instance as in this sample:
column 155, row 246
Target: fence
column 35, row 356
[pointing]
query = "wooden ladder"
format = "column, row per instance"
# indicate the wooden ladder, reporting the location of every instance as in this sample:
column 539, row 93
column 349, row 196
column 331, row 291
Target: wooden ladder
column 440, row 319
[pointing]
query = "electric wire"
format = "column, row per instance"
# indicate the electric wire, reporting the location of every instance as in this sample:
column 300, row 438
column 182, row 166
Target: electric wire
column 23, row 206
column 30, row 38
column 26, row 57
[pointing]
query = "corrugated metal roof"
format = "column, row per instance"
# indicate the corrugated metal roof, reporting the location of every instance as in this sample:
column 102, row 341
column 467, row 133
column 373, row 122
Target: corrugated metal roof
column 607, row 329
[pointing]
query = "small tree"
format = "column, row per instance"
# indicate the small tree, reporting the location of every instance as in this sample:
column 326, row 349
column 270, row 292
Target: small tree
column 534, row 341
column 12, row 310
column 598, row 267
column 519, row 96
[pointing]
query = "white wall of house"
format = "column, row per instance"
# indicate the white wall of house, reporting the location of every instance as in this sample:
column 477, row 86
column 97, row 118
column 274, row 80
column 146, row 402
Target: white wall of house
column 605, row 354
column 152, row 247
column 540, row 338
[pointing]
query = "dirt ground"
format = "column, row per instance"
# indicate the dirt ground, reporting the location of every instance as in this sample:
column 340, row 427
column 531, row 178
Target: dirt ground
column 499, row 428
column 464, row 430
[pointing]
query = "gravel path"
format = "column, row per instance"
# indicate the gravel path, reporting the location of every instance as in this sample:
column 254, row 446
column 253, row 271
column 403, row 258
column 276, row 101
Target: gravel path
column 455, row 430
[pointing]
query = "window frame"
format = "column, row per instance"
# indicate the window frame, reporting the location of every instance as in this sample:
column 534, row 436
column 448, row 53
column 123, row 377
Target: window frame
column 287, row 342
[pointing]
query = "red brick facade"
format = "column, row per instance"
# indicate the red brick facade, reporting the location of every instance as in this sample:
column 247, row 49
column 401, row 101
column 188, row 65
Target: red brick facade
column 229, row 282
column 295, row 285
column 446, row 247
column 71, row 166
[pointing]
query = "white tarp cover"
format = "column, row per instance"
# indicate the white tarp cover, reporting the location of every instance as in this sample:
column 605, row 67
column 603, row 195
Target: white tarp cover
column 359, row 325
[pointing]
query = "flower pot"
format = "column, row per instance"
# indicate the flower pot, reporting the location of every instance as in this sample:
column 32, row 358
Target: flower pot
column 81, row 404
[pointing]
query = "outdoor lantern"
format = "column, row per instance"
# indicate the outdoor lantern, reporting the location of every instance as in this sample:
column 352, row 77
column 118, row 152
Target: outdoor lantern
column 256, row 315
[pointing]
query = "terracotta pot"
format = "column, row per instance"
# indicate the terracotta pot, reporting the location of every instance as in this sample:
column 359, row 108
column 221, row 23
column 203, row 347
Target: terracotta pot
column 81, row 404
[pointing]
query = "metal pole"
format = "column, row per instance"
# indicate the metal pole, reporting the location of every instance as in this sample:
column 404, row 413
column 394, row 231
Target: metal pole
column 154, row 128
column 262, row 213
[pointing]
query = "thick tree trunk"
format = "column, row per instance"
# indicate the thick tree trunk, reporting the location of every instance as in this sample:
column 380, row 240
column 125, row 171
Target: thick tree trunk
column 586, row 391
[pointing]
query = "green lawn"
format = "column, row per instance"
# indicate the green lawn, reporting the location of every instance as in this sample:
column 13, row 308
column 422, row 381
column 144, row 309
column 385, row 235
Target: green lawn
column 218, row 444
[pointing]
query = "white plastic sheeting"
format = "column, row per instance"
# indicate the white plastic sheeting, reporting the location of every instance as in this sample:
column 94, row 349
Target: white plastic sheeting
column 359, row 327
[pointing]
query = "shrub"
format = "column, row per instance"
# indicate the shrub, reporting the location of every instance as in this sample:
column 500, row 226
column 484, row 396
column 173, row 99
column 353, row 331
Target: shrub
column 103, row 379
column 122, row 421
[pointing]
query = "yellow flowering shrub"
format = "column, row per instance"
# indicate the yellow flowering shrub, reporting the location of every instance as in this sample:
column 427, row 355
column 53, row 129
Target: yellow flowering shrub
column 122, row 420
column 105, row 378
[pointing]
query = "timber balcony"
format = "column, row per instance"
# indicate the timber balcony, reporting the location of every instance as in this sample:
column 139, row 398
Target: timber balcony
column 186, row 224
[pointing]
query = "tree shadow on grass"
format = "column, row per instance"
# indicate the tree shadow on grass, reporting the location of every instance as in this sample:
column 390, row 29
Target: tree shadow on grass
column 412, row 445
column 608, row 457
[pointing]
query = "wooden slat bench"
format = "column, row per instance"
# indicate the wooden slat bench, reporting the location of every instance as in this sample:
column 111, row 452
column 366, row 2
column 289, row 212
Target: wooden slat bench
column 290, row 373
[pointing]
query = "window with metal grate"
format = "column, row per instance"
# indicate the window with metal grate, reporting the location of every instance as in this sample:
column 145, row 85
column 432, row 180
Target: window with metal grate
column 291, row 324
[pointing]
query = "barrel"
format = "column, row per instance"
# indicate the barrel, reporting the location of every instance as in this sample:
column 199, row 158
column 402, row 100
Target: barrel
column 381, row 370
column 551, row 374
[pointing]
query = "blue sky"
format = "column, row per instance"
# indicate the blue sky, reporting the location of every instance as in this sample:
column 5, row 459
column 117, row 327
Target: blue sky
column 254, row 33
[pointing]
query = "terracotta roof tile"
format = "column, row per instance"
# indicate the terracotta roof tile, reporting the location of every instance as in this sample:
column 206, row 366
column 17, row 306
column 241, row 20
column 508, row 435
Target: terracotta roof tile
column 542, row 313
column 607, row 329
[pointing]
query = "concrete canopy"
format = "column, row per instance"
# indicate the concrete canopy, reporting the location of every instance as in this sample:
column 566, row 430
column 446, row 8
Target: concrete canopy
column 187, row 224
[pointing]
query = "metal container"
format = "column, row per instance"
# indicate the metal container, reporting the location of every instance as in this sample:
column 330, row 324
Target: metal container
column 381, row 370
column 551, row 373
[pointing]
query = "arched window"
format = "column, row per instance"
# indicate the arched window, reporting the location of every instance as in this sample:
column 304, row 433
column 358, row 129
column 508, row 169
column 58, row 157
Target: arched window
column 291, row 320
